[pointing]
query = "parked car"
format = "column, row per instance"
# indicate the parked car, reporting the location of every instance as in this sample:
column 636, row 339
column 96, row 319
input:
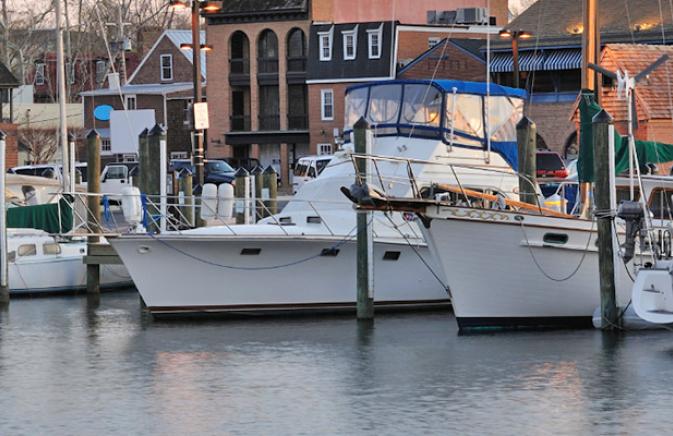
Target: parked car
column 308, row 168
column 249, row 163
column 50, row 171
column 550, row 164
column 214, row 171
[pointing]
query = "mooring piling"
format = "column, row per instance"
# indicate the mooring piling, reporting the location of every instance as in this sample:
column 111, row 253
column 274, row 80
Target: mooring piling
column 526, row 132
column 93, row 144
column 365, row 234
column 4, row 270
column 604, row 214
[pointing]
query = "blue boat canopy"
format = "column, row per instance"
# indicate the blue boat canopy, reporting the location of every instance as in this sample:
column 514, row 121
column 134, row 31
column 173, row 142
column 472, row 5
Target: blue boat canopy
column 460, row 113
column 462, row 87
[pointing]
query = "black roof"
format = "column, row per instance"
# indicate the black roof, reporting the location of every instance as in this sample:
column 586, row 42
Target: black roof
column 258, row 10
column 558, row 23
column 7, row 79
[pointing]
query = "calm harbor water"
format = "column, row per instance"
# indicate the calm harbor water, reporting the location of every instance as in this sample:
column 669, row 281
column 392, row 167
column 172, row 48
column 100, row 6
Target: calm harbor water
column 71, row 366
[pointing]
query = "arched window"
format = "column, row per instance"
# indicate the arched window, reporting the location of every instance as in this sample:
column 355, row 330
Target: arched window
column 296, row 50
column 239, row 53
column 267, row 52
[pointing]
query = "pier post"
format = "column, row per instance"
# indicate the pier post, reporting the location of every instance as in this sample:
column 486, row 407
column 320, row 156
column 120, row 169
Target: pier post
column 270, row 190
column 604, row 215
column 258, row 180
column 143, row 161
column 526, row 133
column 240, row 194
column 154, row 182
column 93, row 144
column 4, row 270
column 365, row 234
column 186, row 186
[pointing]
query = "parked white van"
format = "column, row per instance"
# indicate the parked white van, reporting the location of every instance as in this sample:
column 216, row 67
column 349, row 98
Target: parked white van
column 308, row 168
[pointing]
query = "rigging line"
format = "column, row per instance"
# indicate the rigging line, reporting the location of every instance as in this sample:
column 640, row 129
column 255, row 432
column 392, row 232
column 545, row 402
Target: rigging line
column 349, row 237
column 539, row 267
column 444, row 285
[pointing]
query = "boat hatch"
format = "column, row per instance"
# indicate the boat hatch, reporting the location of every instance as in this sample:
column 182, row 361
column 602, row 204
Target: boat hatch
column 391, row 255
column 555, row 238
column 330, row 252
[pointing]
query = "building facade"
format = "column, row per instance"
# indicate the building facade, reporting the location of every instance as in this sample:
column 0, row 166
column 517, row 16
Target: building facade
column 279, row 68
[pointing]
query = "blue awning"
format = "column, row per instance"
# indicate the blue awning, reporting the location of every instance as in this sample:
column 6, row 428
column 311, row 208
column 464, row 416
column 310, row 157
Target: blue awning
column 566, row 59
column 547, row 60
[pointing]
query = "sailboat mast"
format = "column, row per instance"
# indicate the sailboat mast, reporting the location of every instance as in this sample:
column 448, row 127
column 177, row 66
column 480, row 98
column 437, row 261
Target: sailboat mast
column 60, row 80
column 591, row 45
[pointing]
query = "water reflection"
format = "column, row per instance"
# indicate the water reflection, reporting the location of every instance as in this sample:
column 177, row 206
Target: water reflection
column 83, row 366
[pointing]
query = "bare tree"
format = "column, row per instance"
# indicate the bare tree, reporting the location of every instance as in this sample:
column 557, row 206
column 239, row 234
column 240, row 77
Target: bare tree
column 41, row 144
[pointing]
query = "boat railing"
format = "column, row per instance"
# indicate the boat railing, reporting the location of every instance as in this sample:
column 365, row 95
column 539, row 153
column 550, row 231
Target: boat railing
column 176, row 213
column 447, row 174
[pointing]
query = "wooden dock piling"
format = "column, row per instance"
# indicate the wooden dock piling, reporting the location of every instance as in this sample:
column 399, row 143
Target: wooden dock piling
column 93, row 144
column 186, row 186
column 365, row 234
column 4, row 270
column 526, row 132
column 242, row 178
column 604, row 215
column 270, row 190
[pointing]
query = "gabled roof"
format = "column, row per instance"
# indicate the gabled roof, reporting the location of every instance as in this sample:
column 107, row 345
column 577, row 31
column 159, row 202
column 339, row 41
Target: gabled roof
column 653, row 94
column 559, row 22
column 469, row 46
column 176, row 37
column 145, row 89
column 7, row 79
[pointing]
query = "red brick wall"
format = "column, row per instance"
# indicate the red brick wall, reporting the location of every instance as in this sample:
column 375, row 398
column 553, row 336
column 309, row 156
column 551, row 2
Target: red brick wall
column 150, row 72
column 11, row 144
column 553, row 123
column 321, row 132
column 219, row 91
column 448, row 63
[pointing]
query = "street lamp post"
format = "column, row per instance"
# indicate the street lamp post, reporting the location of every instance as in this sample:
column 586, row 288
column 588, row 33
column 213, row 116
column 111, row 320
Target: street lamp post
column 196, row 46
column 515, row 36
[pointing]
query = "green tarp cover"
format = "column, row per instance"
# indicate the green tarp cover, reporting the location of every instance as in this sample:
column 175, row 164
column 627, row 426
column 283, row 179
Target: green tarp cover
column 647, row 151
column 52, row 218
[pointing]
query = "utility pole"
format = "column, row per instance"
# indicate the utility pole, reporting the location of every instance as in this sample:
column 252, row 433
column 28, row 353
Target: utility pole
column 121, row 39
column 198, row 153
column 62, row 113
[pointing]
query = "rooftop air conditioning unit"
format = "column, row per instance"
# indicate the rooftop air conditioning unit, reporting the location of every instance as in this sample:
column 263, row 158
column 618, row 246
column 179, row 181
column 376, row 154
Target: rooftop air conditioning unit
column 471, row 16
column 446, row 17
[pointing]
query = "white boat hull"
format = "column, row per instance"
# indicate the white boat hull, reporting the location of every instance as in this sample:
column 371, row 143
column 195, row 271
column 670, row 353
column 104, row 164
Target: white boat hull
column 201, row 278
column 490, row 261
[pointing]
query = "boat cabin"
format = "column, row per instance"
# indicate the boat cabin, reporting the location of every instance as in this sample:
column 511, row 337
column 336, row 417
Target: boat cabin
column 459, row 113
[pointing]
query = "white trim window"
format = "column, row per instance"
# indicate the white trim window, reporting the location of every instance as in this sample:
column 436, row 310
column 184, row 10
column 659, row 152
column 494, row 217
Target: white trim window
column 350, row 43
column 433, row 41
column 325, row 44
column 166, row 67
column 374, row 37
column 326, row 104
column 39, row 73
column 105, row 145
column 324, row 149
column 131, row 102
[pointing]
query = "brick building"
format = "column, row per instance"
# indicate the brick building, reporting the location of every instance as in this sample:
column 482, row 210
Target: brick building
column 272, row 97
column 162, row 82
column 551, row 61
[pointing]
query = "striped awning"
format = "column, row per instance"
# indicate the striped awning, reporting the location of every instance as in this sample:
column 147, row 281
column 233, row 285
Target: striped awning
column 566, row 59
column 547, row 60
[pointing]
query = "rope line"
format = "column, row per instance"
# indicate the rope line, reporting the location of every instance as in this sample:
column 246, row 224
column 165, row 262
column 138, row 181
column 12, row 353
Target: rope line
column 539, row 267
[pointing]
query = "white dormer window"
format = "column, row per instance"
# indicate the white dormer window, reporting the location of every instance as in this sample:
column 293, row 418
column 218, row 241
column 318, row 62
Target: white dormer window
column 325, row 44
column 166, row 67
column 350, row 43
column 374, row 37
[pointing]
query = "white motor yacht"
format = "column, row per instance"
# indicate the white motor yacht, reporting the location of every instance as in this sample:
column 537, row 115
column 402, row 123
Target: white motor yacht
column 304, row 258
